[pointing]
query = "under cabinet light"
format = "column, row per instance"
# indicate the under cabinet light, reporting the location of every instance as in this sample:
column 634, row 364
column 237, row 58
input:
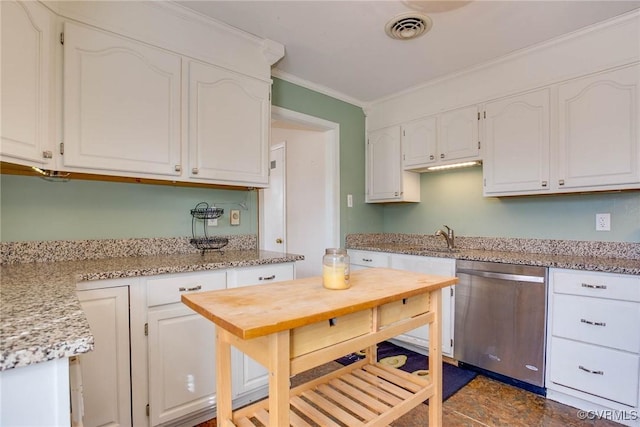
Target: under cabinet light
column 454, row 166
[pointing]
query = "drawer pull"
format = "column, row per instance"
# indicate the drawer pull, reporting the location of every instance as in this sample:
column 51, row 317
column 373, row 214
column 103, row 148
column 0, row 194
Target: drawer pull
column 586, row 285
column 273, row 276
column 589, row 322
column 404, row 301
column 367, row 259
column 195, row 288
column 590, row 371
column 332, row 321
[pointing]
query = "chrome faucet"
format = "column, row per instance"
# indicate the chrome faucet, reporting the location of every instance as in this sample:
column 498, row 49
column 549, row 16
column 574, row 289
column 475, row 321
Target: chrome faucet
column 448, row 236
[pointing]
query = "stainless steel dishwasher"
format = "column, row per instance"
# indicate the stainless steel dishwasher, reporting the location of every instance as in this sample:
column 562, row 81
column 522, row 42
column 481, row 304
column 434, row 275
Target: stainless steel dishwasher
column 500, row 320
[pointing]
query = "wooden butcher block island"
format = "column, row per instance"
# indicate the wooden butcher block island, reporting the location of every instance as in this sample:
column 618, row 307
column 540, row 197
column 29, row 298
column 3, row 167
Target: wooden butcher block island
column 290, row 327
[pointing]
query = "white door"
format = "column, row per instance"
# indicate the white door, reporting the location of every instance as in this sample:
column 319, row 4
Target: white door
column 106, row 370
column 383, row 164
column 121, row 104
column 274, row 201
column 458, row 134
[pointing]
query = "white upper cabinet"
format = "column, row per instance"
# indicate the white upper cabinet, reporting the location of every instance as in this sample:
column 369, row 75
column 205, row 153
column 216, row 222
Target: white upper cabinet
column 516, row 144
column 121, row 104
column 446, row 138
column 419, row 142
column 599, row 143
column 27, row 75
column 458, row 134
column 386, row 181
column 229, row 121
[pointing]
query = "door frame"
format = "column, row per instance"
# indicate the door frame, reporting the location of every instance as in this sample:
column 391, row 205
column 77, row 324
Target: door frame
column 332, row 169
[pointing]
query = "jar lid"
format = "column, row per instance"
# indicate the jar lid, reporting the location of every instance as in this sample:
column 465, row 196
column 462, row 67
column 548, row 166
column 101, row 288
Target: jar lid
column 335, row 251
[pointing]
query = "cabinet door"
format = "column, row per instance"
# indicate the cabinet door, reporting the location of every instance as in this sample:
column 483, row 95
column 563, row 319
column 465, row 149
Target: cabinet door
column 106, row 371
column 229, row 122
column 419, row 143
column 248, row 375
column 599, row 143
column 181, row 363
column 121, row 104
column 439, row 266
column 458, row 134
column 26, row 83
column 516, row 151
column 383, row 164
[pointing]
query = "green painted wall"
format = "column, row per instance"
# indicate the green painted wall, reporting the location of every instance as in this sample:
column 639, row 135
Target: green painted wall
column 455, row 198
column 34, row 209
column 362, row 217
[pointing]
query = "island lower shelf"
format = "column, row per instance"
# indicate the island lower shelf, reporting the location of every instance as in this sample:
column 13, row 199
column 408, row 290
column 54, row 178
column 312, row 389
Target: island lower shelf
column 360, row 394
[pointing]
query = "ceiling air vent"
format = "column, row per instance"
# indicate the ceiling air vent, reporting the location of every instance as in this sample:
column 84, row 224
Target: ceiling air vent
column 408, row 26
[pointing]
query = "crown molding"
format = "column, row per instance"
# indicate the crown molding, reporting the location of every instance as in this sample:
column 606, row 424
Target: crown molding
column 317, row 88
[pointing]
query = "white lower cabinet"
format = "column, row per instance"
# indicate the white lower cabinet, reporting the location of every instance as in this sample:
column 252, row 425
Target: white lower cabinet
column 248, row 375
column 593, row 345
column 418, row 337
column 106, row 370
column 181, row 347
column 438, row 266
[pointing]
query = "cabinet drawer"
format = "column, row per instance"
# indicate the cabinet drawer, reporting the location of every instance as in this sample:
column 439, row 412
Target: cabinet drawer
column 167, row 290
column 600, row 371
column 403, row 309
column 604, row 322
column 261, row 274
column 329, row 332
column 602, row 285
column 368, row 259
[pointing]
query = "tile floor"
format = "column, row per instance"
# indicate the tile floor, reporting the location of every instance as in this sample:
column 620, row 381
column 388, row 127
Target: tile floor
column 483, row 402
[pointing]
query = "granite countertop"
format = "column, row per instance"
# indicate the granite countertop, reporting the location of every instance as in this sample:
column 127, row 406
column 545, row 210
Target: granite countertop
column 40, row 313
column 609, row 257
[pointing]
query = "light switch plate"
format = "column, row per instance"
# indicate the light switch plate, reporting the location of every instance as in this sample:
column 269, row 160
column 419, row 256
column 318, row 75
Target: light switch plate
column 235, row 217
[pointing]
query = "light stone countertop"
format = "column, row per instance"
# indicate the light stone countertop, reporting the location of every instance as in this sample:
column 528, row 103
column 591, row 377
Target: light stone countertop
column 608, row 257
column 40, row 315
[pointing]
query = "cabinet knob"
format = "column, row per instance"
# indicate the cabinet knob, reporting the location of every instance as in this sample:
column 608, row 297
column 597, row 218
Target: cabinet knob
column 177, row 168
column 442, row 156
column 561, row 182
column 278, row 240
column 432, row 157
column 544, row 183
column 395, row 194
column 194, row 171
column 47, row 154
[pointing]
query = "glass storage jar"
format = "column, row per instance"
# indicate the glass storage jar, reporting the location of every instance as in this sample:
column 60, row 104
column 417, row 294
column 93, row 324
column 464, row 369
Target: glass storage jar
column 335, row 269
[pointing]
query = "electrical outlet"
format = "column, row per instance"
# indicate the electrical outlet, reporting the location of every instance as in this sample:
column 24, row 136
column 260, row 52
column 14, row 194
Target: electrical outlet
column 603, row 222
column 212, row 222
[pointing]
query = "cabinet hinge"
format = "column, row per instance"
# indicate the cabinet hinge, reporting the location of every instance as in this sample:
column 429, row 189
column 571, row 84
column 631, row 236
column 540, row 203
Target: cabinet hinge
column 485, row 114
column 484, row 182
column 478, row 115
column 146, row 329
column 451, row 291
column 478, row 145
column 451, row 342
column 62, row 38
column 62, row 148
column 404, row 132
column 148, row 410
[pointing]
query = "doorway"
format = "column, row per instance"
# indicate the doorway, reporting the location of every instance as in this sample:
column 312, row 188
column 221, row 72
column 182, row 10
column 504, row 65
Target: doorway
column 311, row 189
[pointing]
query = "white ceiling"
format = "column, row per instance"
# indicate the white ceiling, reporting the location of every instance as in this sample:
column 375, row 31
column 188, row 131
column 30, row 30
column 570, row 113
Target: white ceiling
column 340, row 48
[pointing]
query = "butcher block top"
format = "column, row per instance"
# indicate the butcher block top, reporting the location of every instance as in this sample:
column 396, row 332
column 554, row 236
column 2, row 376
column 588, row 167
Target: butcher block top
column 253, row 311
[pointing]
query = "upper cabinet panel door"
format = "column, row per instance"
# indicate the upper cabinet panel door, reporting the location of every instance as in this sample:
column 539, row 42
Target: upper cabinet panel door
column 26, row 83
column 121, row 104
column 229, row 121
column 419, row 143
column 516, row 151
column 598, row 130
column 383, row 164
column 458, row 134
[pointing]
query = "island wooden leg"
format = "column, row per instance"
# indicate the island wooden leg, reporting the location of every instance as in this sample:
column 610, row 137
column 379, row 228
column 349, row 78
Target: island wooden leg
column 223, row 380
column 435, row 359
column 279, row 373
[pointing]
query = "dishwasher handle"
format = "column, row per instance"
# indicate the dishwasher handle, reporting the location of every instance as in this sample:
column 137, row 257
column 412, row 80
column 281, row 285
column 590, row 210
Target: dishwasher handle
column 502, row 276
